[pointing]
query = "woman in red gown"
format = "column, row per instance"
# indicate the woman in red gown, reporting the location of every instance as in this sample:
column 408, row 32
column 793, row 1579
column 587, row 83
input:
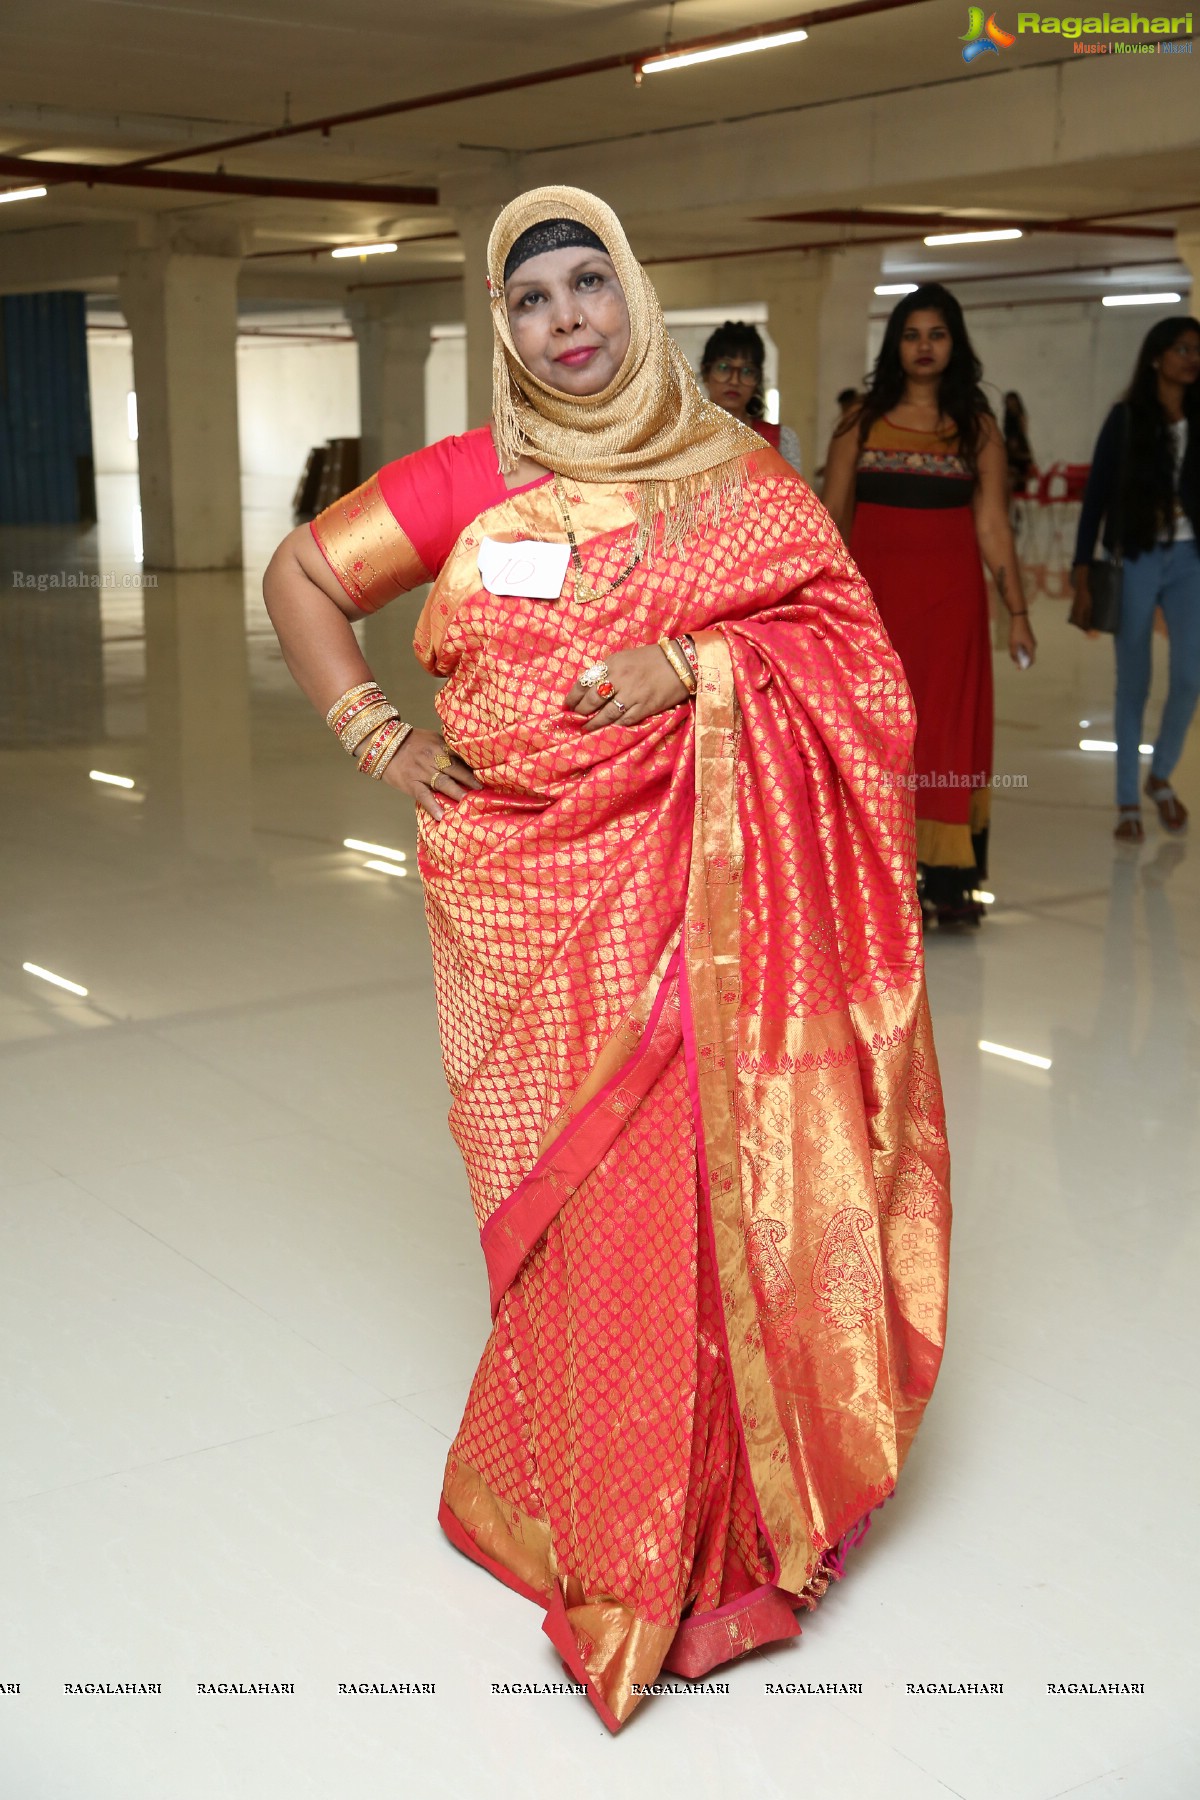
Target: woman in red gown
column 917, row 483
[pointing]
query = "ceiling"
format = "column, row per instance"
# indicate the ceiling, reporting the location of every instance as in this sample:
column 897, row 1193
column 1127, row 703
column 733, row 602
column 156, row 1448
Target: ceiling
column 110, row 81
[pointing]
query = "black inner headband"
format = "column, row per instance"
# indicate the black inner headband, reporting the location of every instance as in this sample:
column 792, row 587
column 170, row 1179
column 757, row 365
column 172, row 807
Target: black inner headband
column 551, row 234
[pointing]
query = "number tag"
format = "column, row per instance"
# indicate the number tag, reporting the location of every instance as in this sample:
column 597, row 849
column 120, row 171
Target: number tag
column 536, row 571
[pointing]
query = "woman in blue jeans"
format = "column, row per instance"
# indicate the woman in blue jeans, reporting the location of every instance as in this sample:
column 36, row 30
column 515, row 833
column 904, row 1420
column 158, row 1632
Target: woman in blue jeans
column 1144, row 487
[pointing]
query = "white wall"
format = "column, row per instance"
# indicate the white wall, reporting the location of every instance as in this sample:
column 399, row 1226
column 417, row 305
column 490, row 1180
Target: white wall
column 110, row 379
column 290, row 397
column 446, row 383
column 1069, row 363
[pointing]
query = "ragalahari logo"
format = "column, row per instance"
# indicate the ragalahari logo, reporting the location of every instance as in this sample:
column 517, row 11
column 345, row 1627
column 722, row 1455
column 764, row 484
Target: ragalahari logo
column 982, row 35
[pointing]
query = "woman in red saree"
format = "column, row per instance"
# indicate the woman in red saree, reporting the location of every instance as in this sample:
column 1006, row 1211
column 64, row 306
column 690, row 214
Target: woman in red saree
column 677, row 953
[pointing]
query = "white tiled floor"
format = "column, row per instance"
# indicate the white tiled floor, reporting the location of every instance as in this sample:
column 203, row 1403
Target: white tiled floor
column 243, row 1300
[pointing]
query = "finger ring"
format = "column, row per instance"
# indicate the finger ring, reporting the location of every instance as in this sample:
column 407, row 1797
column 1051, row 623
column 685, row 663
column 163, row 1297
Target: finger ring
column 597, row 671
column 433, row 779
column 619, row 704
column 605, row 689
column 441, row 762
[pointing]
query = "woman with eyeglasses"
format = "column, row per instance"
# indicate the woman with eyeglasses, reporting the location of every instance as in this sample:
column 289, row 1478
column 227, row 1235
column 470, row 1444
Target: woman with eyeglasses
column 732, row 372
column 1145, row 486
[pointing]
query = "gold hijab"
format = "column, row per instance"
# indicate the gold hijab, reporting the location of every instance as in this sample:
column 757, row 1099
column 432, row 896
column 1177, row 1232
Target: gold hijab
column 651, row 425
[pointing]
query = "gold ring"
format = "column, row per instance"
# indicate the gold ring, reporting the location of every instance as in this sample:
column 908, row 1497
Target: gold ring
column 441, row 762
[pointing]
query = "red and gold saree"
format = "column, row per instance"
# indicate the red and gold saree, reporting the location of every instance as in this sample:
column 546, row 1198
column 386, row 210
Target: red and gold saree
column 683, row 1018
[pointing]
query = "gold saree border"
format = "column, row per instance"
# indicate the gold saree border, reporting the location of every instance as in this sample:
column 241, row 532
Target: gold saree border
column 368, row 551
column 604, row 1642
column 711, row 942
column 813, row 1228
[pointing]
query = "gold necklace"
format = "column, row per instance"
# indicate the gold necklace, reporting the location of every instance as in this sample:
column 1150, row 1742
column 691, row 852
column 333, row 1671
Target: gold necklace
column 583, row 588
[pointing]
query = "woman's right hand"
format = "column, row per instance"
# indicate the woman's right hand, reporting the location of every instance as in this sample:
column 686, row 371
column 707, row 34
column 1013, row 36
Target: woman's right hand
column 414, row 770
column 1081, row 580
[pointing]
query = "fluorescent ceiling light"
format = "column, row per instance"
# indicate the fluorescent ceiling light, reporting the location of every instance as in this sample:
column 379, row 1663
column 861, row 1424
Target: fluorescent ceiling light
column 33, row 193
column 385, row 868
column 1102, row 744
column 1021, row 1056
column 122, row 781
column 685, row 59
column 363, row 250
column 72, row 987
column 897, row 287
column 1140, row 300
column 375, row 849
column 975, row 237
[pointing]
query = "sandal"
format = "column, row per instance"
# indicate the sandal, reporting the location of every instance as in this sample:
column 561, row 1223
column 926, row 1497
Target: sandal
column 1129, row 828
column 1172, row 812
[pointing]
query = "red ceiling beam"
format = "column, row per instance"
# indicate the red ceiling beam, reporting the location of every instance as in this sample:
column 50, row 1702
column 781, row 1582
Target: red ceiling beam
column 58, row 174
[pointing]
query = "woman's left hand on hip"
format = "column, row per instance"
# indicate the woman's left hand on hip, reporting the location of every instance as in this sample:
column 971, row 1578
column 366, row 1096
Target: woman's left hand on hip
column 642, row 683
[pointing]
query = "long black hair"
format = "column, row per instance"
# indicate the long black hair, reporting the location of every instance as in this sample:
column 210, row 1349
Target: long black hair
column 1147, row 486
column 960, row 397
column 735, row 338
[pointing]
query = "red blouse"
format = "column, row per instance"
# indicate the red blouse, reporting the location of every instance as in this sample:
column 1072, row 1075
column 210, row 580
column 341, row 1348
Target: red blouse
column 394, row 532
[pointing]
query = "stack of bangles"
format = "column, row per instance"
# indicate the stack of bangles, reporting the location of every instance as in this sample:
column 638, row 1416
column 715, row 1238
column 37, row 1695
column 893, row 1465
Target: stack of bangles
column 680, row 652
column 361, row 713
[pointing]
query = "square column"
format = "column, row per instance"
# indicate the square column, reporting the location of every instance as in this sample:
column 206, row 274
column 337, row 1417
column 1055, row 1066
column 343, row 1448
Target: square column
column 182, row 312
column 1187, row 249
column 474, row 225
column 392, row 352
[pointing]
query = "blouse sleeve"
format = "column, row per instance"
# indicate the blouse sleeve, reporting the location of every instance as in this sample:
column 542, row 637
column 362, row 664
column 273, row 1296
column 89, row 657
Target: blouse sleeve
column 393, row 533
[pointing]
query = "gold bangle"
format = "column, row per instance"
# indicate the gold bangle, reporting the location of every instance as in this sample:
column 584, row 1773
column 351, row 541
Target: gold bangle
column 379, row 743
column 370, row 721
column 381, row 761
column 679, row 663
column 347, row 697
column 373, row 697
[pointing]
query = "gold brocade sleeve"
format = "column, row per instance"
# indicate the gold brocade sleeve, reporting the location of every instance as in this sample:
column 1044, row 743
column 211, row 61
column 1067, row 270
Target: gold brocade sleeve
column 367, row 550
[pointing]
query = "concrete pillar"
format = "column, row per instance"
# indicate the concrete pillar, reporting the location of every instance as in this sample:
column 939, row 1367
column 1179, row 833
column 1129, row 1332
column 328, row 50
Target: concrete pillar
column 818, row 307
column 392, row 352
column 474, row 225
column 182, row 312
column 198, row 766
column 1187, row 248
column 844, row 326
column 793, row 300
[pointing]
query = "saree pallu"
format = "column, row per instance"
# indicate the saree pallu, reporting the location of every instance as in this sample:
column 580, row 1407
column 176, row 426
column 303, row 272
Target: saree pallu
column 683, row 1019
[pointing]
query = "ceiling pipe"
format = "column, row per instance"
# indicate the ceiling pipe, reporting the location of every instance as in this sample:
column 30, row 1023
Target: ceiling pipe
column 508, row 84
column 315, row 250
column 917, row 222
column 1144, row 262
column 1009, row 305
column 61, row 174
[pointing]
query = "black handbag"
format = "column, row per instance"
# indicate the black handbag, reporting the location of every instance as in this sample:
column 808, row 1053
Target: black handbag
column 1105, row 581
column 1105, row 578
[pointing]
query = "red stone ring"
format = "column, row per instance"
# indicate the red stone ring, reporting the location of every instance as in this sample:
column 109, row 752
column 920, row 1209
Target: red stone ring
column 605, row 690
